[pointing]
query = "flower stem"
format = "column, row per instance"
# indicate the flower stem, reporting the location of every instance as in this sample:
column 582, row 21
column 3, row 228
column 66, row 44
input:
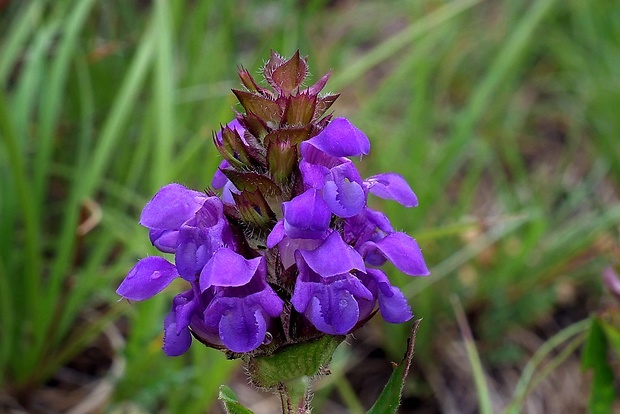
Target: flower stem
column 295, row 396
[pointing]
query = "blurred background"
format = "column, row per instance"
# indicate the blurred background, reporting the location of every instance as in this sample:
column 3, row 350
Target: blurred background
column 502, row 115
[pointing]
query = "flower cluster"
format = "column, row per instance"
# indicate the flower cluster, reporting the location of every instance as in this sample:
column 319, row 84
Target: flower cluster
column 289, row 250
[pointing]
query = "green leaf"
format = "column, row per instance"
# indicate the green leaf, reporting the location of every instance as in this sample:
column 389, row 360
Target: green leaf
column 602, row 394
column 611, row 328
column 389, row 400
column 482, row 389
column 292, row 362
column 230, row 401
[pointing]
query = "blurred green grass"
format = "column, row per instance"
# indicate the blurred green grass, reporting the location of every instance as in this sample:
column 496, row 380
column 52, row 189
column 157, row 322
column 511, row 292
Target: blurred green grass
column 502, row 115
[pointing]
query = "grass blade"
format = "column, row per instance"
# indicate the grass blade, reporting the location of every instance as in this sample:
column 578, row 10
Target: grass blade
column 595, row 354
column 18, row 35
column 51, row 101
column 32, row 265
column 482, row 389
column 164, row 95
column 523, row 386
column 393, row 45
column 85, row 183
column 500, row 69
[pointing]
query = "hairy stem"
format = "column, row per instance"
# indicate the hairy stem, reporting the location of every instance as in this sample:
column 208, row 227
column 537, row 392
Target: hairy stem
column 295, row 396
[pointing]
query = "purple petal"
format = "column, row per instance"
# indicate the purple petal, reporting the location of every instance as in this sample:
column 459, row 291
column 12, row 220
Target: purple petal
column 147, row 278
column 234, row 124
column 242, row 328
column 379, row 219
column 355, row 286
column 331, row 304
column 177, row 338
column 340, row 138
column 402, row 251
column 176, row 341
column 193, row 252
column 394, row 309
column 611, row 280
column 219, row 179
column 164, row 240
column 305, row 284
column 345, row 200
column 346, row 170
column 269, row 301
column 315, row 156
column 306, row 216
column 206, row 333
column 276, row 235
column 365, row 226
column 391, row 186
column 302, row 294
column 228, row 191
column 172, row 206
column 344, row 194
column 227, row 268
column 185, row 307
column 211, row 214
column 333, row 311
column 288, row 247
column 333, row 257
column 313, row 175
column 393, row 304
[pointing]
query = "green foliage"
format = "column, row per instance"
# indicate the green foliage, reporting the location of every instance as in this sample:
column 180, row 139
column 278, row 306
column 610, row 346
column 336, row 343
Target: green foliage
column 389, row 399
column 43, row 295
column 535, row 371
column 595, row 358
column 293, row 362
column 230, row 401
column 482, row 389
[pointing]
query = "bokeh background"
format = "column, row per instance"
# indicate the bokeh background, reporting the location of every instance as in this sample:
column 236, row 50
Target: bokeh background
column 503, row 115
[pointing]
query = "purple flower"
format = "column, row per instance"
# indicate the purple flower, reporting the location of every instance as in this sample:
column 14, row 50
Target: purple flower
column 187, row 223
column 229, row 302
column 398, row 248
column 341, row 138
column 326, row 291
column 392, row 303
column 336, row 294
column 177, row 336
column 170, row 208
column 231, row 305
column 391, row 186
column 337, row 178
column 330, row 303
column 306, row 216
column 148, row 277
column 289, row 243
column 374, row 238
column 242, row 313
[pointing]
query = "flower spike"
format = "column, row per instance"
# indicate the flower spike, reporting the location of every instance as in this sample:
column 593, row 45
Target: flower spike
column 284, row 250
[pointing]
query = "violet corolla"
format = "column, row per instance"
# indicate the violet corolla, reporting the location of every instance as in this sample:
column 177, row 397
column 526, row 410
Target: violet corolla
column 289, row 251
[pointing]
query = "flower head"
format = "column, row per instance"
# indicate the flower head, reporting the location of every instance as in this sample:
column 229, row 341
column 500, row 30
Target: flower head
column 289, row 251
